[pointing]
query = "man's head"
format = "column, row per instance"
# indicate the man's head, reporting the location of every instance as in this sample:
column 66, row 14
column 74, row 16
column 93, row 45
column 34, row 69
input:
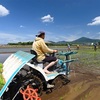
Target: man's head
column 41, row 34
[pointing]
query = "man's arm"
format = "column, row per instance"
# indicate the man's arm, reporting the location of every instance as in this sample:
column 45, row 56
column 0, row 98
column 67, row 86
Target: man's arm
column 45, row 49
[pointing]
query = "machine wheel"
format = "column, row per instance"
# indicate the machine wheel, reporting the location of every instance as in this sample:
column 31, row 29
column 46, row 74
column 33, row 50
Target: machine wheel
column 60, row 81
column 30, row 94
column 38, row 85
column 35, row 83
column 14, row 89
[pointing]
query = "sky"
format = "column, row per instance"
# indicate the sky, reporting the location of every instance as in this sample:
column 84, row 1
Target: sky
column 61, row 20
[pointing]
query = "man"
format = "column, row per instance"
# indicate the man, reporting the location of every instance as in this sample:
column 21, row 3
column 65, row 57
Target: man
column 69, row 49
column 41, row 49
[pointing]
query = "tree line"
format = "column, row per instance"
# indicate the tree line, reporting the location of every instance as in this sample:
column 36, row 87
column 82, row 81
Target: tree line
column 21, row 43
column 49, row 44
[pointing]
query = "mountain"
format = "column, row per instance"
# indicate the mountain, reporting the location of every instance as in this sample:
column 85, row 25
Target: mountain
column 85, row 40
column 61, row 42
column 82, row 40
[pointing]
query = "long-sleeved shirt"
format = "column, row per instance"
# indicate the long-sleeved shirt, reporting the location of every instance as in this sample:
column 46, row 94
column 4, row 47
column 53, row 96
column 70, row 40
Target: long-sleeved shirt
column 40, row 48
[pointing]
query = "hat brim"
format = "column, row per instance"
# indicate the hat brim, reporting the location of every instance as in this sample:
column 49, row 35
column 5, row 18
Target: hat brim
column 40, row 34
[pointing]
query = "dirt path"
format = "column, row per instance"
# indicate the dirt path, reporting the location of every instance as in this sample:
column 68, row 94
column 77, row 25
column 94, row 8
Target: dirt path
column 82, row 87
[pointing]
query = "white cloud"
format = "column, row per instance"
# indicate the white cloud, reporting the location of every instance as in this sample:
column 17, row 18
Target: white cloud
column 11, row 38
column 67, row 38
column 87, row 32
column 72, row 37
column 47, row 18
column 51, row 36
column 3, row 11
column 95, row 21
column 98, row 33
column 21, row 26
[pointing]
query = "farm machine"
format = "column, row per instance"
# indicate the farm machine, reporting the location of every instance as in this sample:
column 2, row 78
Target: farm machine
column 25, row 79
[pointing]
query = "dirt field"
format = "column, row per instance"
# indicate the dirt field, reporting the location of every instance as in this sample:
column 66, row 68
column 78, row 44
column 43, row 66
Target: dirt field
column 83, row 86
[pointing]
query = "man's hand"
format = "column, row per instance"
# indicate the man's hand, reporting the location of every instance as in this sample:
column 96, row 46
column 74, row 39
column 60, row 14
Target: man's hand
column 55, row 51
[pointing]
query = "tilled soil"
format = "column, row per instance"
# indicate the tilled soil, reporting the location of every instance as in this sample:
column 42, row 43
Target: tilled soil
column 82, row 86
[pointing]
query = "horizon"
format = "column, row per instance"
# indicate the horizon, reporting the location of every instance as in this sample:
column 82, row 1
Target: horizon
column 58, row 41
column 62, row 20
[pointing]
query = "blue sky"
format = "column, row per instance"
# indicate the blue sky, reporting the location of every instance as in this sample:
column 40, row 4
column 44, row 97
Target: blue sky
column 62, row 20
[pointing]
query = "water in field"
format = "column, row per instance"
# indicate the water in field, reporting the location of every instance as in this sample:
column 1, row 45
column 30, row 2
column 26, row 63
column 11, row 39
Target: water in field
column 6, row 52
column 3, row 57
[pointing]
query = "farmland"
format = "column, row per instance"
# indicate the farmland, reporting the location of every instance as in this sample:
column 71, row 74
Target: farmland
column 85, row 70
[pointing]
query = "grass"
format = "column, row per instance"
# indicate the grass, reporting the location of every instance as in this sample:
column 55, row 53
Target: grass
column 1, row 78
column 0, row 67
column 89, row 59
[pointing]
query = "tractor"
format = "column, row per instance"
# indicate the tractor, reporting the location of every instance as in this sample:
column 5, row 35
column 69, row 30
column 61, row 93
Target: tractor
column 25, row 79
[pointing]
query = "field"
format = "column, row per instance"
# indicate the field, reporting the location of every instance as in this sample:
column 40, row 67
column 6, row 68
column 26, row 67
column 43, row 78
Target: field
column 85, row 77
column 1, row 78
column 88, row 60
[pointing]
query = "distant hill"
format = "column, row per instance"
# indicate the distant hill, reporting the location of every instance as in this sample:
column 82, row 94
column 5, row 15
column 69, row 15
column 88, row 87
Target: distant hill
column 85, row 40
column 61, row 42
column 82, row 40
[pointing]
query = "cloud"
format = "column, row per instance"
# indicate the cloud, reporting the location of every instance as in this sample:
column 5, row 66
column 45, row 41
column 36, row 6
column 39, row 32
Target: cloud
column 47, row 18
column 95, row 21
column 21, row 26
column 11, row 38
column 98, row 33
column 87, row 32
column 3, row 11
column 51, row 36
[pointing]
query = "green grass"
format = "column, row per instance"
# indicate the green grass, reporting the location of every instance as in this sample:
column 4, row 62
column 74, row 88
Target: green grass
column 89, row 60
column 0, row 67
column 1, row 78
